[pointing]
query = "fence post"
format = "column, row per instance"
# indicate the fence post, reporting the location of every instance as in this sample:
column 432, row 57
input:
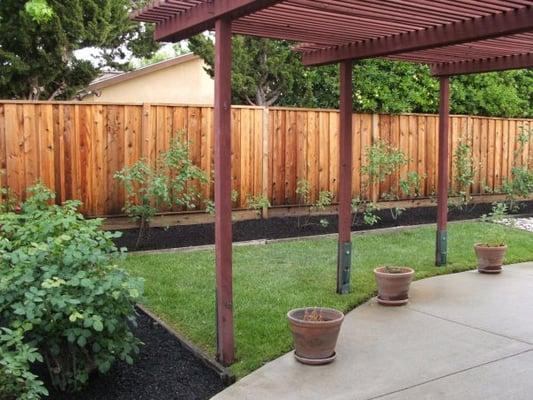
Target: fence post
column 146, row 132
column 265, row 156
column 375, row 138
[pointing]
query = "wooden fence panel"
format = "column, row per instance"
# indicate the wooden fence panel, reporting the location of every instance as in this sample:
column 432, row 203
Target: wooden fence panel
column 76, row 149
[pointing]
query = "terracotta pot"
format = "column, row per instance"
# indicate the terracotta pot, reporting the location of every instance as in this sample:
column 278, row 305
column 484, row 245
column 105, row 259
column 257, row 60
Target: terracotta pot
column 315, row 341
column 393, row 287
column 490, row 258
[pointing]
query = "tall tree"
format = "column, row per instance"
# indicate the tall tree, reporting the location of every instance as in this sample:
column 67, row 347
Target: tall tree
column 263, row 70
column 267, row 72
column 38, row 40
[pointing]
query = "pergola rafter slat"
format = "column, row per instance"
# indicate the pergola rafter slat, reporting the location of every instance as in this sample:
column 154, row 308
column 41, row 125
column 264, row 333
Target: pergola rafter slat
column 453, row 36
column 178, row 26
column 493, row 26
column 516, row 61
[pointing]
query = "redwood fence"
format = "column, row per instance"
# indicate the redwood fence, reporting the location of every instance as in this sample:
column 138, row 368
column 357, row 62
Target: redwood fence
column 75, row 148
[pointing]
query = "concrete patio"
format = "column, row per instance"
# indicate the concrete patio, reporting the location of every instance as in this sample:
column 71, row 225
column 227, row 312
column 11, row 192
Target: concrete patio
column 463, row 336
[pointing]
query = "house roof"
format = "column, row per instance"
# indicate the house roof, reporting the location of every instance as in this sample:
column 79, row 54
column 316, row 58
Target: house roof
column 112, row 79
column 443, row 33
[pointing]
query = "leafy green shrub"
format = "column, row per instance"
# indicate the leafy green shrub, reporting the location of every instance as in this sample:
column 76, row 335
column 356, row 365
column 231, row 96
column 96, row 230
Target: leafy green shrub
column 325, row 199
column 464, row 176
column 382, row 160
column 16, row 380
column 364, row 212
column 167, row 184
column 411, row 185
column 258, row 203
column 8, row 201
column 303, row 188
column 520, row 185
column 492, row 235
column 60, row 286
column 210, row 204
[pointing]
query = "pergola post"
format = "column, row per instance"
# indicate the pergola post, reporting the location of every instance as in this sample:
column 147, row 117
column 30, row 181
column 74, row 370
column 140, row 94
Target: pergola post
column 223, row 235
column 443, row 171
column 344, row 262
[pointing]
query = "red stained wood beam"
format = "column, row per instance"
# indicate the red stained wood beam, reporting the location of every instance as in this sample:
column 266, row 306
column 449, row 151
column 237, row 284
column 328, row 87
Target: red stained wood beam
column 203, row 16
column 223, row 231
column 496, row 25
column 504, row 63
column 443, row 172
column 345, row 178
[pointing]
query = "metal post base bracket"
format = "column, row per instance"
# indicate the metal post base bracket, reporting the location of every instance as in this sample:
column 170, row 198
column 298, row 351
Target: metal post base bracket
column 344, row 267
column 442, row 248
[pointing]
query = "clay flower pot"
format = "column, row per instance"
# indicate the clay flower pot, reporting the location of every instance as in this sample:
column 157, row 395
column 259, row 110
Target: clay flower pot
column 315, row 331
column 393, row 285
column 490, row 258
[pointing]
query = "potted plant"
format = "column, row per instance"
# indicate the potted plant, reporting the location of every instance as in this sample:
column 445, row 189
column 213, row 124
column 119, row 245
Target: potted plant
column 315, row 331
column 393, row 284
column 491, row 251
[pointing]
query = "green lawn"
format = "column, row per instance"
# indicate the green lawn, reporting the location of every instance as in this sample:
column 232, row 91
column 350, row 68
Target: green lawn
column 270, row 280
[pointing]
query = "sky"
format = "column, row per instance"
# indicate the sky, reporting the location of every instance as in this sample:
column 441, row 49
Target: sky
column 92, row 54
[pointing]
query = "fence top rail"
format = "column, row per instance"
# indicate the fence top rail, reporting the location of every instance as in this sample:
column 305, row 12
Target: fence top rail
column 274, row 108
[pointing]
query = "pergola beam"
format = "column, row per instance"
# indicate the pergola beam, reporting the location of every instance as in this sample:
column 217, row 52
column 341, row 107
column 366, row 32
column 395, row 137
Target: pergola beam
column 223, row 231
column 441, row 248
column 203, row 16
column 504, row 63
column 491, row 26
column 344, row 260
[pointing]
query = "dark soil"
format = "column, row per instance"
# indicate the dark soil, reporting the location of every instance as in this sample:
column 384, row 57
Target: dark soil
column 164, row 370
column 277, row 228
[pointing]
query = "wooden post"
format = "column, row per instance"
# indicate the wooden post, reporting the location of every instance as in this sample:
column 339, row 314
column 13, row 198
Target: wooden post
column 223, row 235
column 265, row 156
column 443, row 171
column 345, row 179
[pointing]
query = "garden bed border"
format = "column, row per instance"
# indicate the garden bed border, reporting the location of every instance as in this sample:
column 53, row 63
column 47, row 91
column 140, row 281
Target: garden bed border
column 162, row 220
column 263, row 242
column 224, row 373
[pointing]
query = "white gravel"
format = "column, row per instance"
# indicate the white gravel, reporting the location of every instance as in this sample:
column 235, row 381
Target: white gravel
column 522, row 223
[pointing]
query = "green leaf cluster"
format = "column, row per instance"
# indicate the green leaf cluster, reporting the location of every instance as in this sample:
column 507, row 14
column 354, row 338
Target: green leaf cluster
column 149, row 188
column 325, row 199
column 60, row 287
column 264, row 71
column 382, row 160
column 168, row 183
column 492, row 235
column 267, row 72
column 258, row 203
column 38, row 40
column 465, row 171
column 364, row 211
column 520, row 185
column 16, row 357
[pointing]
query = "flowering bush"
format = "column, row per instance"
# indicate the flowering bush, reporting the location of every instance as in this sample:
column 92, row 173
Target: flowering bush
column 60, row 287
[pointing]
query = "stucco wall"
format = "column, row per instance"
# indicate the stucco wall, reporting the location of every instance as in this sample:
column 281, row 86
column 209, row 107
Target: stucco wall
column 185, row 83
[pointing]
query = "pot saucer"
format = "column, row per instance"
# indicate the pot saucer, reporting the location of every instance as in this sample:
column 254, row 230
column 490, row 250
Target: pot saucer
column 490, row 271
column 392, row 302
column 315, row 361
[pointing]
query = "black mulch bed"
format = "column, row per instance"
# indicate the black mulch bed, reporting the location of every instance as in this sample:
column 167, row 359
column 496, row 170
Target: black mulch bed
column 164, row 370
column 278, row 228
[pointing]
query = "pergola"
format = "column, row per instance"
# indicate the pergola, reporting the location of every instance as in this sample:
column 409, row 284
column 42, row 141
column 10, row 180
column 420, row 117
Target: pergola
column 452, row 36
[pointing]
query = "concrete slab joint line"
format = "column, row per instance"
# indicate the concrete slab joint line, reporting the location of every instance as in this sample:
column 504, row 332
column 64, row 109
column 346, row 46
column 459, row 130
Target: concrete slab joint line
column 464, row 336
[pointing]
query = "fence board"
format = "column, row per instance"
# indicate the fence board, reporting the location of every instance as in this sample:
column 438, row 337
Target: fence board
column 3, row 158
column 77, row 148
